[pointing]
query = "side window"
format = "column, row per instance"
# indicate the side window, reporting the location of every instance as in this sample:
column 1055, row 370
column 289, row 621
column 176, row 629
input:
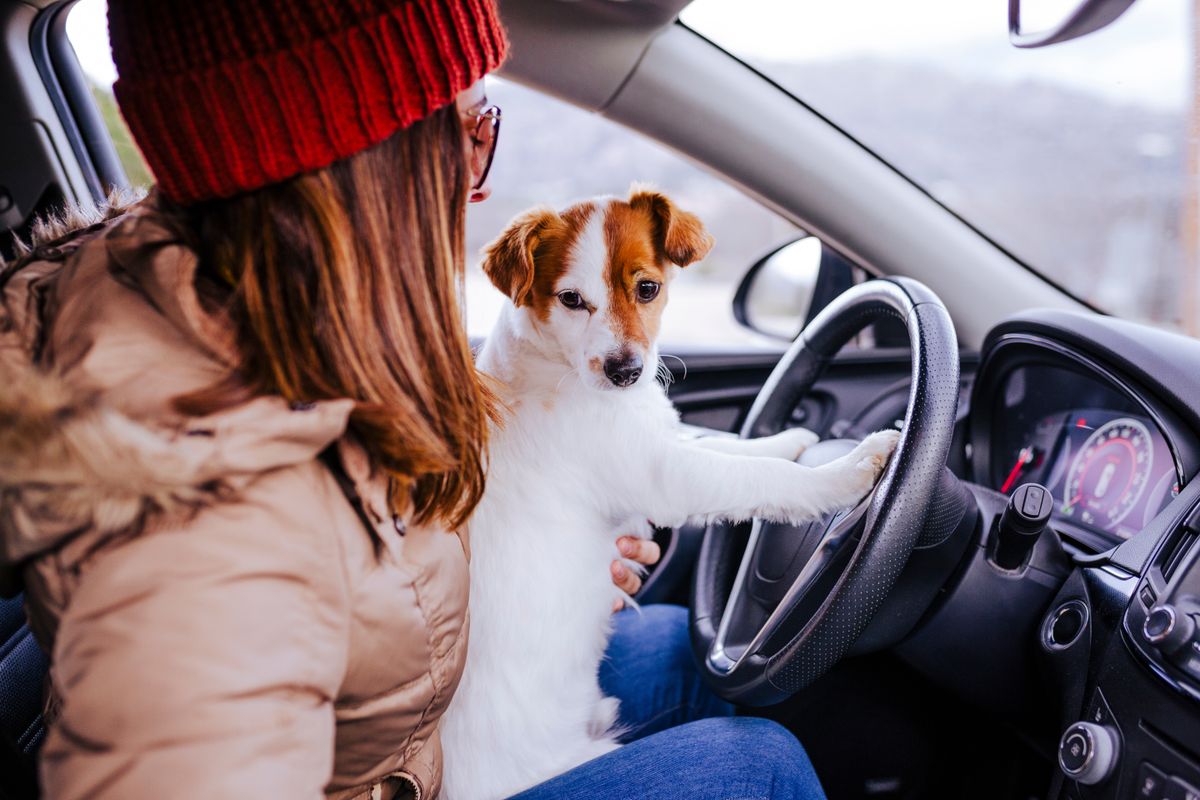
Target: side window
column 87, row 28
column 553, row 153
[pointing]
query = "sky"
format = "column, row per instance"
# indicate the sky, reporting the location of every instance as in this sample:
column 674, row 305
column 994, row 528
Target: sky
column 87, row 28
column 1144, row 57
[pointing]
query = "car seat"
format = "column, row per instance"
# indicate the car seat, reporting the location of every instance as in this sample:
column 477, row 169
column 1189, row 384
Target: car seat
column 23, row 668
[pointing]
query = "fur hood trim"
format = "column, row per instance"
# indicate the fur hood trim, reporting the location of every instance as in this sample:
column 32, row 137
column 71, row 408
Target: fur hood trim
column 72, row 221
column 68, row 464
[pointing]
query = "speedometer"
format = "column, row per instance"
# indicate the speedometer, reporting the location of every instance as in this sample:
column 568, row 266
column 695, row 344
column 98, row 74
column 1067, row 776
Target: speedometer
column 1109, row 473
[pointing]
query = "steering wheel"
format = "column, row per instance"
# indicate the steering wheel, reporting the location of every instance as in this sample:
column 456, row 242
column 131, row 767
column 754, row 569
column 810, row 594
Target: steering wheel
column 767, row 624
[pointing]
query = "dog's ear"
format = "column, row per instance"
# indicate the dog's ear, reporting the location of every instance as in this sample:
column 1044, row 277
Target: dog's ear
column 681, row 235
column 509, row 261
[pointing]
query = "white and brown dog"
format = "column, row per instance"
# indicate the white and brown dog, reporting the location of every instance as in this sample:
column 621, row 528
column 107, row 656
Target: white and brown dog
column 590, row 448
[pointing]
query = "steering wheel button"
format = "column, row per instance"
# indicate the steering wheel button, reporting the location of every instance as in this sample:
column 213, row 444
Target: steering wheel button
column 1151, row 783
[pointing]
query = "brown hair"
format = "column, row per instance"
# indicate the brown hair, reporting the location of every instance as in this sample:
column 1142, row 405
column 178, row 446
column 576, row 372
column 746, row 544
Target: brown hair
column 346, row 282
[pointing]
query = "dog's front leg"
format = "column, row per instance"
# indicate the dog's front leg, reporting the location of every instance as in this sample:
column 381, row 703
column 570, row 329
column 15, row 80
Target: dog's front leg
column 787, row 444
column 698, row 482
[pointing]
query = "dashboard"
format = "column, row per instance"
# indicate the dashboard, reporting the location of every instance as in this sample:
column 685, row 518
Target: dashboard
column 1106, row 415
column 1090, row 646
column 1104, row 459
column 1050, row 415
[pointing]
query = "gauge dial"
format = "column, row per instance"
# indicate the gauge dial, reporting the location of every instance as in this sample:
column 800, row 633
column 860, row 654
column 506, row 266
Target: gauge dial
column 1109, row 474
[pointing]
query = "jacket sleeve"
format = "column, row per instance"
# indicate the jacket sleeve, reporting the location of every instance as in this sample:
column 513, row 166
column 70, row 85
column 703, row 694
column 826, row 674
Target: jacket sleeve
column 202, row 660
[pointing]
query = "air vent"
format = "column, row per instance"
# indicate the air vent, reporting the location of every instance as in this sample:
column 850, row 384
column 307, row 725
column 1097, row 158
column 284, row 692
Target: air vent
column 1175, row 553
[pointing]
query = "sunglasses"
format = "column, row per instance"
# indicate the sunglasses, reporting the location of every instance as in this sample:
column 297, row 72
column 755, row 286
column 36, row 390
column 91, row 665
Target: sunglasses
column 484, row 135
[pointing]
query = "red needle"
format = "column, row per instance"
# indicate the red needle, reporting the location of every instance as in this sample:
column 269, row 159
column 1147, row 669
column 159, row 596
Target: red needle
column 1023, row 458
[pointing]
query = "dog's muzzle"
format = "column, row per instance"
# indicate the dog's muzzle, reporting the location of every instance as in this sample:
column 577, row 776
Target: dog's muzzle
column 624, row 369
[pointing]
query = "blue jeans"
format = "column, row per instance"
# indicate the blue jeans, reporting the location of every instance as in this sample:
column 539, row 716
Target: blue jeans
column 682, row 741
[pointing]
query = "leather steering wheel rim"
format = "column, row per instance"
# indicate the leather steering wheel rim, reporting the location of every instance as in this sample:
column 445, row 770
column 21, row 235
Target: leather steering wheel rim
column 894, row 514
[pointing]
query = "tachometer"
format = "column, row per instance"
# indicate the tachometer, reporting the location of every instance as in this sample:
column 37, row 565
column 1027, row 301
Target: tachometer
column 1109, row 473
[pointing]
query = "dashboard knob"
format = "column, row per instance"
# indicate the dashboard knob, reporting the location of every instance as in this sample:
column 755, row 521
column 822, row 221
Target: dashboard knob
column 1088, row 752
column 1168, row 628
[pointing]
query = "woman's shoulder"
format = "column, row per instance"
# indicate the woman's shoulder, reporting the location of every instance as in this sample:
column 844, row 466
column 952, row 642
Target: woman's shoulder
column 279, row 528
column 135, row 519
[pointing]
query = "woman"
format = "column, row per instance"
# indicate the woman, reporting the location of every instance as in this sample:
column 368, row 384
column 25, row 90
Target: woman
column 241, row 425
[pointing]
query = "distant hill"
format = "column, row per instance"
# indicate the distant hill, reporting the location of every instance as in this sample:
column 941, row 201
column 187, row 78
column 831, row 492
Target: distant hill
column 1087, row 190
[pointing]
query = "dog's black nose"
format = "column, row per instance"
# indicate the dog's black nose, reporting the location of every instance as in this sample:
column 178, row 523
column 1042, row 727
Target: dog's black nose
column 624, row 369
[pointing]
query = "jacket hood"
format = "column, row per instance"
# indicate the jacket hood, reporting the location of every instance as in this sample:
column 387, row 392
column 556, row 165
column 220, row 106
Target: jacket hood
column 98, row 333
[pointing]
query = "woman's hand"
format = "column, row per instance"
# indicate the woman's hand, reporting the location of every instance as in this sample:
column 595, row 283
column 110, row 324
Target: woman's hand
column 643, row 551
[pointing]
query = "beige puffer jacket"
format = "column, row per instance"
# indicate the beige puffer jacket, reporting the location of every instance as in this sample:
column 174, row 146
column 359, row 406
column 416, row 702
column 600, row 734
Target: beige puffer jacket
column 221, row 622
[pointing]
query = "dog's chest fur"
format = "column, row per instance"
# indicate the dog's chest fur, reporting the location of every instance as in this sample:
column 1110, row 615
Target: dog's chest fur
column 570, row 469
column 529, row 705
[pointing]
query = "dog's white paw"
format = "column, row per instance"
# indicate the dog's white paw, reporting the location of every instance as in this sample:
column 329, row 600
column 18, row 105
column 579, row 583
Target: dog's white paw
column 861, row 467
column 790, row 444
column 872, row 454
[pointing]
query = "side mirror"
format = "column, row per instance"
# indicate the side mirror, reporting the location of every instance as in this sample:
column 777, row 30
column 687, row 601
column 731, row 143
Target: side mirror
column 1037, row 23
column 788, row 286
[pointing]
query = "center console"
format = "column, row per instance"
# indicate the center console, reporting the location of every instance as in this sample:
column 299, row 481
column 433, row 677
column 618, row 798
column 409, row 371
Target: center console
column 1140, row 733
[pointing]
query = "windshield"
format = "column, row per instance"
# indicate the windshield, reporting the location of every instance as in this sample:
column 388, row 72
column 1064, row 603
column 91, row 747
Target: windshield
column 1075, row 158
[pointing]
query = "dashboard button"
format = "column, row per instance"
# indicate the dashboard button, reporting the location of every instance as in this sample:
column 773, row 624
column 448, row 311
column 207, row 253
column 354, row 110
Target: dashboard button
column 1100, row 713
column 1087, row 752
column 1075, row 752
column 1032, row 506
column 1178, row 790
column 1062, row 628
column 1168, row 628
column 1189, row 660
column 1151, row 783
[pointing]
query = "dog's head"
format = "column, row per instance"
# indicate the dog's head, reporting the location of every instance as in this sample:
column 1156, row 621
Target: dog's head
column 592, row 279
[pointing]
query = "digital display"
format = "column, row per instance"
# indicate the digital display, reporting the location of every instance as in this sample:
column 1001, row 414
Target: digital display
column 1106, row 463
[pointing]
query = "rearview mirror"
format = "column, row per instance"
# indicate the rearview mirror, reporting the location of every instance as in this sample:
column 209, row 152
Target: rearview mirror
column 1037, row 23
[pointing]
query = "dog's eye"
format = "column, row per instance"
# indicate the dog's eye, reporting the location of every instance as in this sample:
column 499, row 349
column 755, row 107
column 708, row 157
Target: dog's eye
column 647, row 291
column 571, row 299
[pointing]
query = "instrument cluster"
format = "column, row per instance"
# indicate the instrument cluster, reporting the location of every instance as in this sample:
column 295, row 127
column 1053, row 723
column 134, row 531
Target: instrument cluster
column 1103, row 457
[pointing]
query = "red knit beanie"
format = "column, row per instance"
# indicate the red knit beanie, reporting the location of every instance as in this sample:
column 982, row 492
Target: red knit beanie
column 224, row 96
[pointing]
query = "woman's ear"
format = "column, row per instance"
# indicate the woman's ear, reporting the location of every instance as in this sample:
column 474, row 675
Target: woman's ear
column 509, row 261
column 681, row 235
